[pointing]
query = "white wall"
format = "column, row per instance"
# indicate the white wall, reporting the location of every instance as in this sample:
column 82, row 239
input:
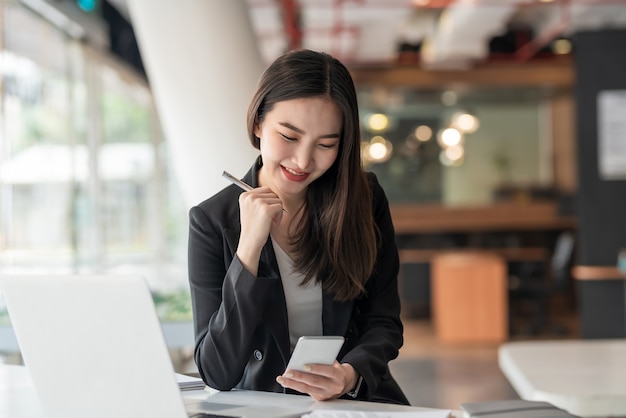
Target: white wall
column 203, row 65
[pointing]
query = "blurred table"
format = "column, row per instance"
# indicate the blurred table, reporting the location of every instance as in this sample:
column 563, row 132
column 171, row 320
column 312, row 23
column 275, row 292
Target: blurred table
column 585, row 377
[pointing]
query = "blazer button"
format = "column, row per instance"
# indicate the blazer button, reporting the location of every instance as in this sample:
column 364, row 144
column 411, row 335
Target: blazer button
column 258, row 355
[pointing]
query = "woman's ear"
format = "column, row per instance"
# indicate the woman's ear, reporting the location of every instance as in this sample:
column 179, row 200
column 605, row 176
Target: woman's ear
column 257, row 129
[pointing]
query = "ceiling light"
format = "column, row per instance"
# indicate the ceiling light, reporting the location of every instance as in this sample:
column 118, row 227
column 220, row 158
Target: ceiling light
column 449, row 137
column 377, row 140
column 423, row 133
column 379, row 149
column 449, row 98
column 562, row 46
column 378, row 122
column 453, row 156
column 455, row 152
column 465, row 122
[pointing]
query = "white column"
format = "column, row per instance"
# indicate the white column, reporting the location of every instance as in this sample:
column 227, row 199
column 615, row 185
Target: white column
column 203, row 64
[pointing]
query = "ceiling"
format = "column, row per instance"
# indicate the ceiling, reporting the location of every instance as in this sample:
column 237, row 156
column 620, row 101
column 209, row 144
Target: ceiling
column 437, row 34
column 434, row 34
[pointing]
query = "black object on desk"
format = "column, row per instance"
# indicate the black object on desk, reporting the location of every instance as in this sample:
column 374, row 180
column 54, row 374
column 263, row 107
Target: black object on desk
column 516, row 408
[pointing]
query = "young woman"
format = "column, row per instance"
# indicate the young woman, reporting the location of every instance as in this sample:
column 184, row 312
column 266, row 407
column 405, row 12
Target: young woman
column 309, row 251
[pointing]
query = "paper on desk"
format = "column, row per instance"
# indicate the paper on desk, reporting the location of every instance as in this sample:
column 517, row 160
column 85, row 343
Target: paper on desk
column 375, row 414
column 189, row 382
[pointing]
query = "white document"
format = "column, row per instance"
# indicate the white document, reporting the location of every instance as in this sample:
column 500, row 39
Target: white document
column 612, row 134
column 438, row 413
column 188, row 382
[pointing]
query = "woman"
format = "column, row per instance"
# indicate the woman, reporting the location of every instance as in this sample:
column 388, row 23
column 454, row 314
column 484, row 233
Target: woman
column 309, row 251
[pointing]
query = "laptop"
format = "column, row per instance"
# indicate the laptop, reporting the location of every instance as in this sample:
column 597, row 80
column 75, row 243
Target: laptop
column 94, row 347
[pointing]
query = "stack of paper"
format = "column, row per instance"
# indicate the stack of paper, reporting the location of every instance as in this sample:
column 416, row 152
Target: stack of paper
column 332, row 413
column 189, row 382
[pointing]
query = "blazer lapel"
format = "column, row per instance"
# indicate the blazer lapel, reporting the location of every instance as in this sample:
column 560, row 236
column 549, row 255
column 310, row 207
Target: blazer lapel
column 276, row 313
column 275, row 316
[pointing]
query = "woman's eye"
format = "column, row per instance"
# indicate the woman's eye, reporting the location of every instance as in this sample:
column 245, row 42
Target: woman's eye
column 328, row 146
column 288, row 138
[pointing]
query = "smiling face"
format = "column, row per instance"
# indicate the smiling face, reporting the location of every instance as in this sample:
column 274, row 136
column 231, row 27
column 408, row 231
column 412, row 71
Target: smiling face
column 299, row 142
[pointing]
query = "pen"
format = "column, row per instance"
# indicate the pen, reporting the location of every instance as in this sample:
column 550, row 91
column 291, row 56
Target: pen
column 235, row 180
column 239, row 183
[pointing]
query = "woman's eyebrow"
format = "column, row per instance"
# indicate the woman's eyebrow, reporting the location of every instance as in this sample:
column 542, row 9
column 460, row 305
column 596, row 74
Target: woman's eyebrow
column 301, row 132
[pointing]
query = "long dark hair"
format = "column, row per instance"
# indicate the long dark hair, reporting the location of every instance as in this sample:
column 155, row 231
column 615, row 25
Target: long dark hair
column 336, row 239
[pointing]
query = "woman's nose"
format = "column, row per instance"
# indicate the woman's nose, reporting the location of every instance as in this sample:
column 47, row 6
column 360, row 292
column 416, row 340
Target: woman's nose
column 303, row 157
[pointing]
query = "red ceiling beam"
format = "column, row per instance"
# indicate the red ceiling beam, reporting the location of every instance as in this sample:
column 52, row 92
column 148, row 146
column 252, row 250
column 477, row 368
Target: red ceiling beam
column 531, row 48
column 291, row 23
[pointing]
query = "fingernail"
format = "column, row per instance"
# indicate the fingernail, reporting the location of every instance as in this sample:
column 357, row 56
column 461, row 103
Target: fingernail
column 307, row 368
column 280, row 379
column 288, row 375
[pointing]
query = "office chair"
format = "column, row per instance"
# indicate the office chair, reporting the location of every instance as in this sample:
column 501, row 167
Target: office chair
column 537, row 287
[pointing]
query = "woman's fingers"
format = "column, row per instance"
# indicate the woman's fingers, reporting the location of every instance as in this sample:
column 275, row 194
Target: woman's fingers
column 259, row 208
column 322, row 382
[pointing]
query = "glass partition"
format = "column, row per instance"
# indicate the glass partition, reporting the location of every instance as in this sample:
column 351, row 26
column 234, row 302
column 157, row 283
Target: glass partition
column 39, row 159
column 456, row 147
column 85, row 183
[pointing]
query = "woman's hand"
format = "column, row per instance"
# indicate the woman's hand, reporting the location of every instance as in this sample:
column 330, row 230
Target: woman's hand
column 259, row 208
column 321, row 382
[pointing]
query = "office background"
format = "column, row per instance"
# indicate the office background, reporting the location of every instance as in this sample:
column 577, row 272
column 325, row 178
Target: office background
column 104, row 149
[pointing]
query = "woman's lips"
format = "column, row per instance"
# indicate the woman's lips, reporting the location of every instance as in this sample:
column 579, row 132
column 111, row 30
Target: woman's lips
column 294, row 177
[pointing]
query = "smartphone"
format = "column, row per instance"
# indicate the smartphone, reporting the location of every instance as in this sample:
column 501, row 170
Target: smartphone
column 315, row 350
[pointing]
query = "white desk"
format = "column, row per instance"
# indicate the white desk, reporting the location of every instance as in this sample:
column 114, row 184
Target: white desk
column 585, row 377
column 18, row 399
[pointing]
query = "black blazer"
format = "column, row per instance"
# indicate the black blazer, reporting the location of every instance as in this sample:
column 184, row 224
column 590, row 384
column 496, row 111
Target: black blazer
column 240, row 321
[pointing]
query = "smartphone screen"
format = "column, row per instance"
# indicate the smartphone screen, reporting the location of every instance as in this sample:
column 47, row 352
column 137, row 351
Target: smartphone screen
column 315, row 350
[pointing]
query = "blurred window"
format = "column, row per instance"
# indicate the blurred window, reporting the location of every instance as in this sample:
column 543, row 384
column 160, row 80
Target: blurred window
column 85, row 184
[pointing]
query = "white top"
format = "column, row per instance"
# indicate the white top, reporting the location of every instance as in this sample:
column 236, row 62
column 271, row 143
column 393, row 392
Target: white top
column 585, row 377
column 304, row 303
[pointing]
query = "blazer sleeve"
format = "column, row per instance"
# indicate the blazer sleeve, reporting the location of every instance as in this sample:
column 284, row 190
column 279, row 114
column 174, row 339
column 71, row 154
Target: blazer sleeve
column 377, row 314
column 227, row 300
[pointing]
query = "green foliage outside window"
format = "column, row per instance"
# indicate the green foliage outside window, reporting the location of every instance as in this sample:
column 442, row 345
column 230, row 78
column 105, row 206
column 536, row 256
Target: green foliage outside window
column 170, row 306
column 173, row 306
